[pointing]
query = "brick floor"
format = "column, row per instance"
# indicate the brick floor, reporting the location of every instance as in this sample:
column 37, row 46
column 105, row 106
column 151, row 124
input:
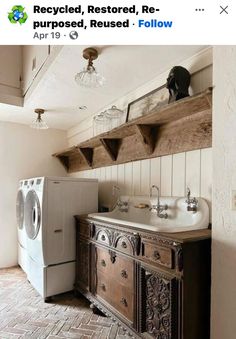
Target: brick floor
column 23, row 313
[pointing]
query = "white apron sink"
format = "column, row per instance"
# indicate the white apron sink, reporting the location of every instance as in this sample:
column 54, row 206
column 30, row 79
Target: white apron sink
column 179, row 219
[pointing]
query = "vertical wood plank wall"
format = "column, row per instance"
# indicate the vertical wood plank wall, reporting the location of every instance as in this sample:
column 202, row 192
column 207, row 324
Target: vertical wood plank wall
column 172, row 173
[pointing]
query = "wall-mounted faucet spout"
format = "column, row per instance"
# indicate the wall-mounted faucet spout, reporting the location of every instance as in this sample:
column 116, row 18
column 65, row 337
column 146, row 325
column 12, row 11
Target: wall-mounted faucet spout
column 158, row 207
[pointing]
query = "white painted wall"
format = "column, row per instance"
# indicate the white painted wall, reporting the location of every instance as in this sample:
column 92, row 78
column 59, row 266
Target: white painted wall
column 24, row 153
column 171, row 173
column 223, row 324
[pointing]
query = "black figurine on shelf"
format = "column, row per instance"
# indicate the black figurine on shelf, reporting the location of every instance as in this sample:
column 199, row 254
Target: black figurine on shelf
column 178, row 82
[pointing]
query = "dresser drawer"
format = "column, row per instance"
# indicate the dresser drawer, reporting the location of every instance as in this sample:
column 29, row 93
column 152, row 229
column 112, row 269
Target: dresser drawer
column 158, row 254
column 124, row 245
column 122, row 300
column 115, row 266
column 119, row 296
column 123, row 271
column 103, row 238
column 103, row 288
column 103, row 260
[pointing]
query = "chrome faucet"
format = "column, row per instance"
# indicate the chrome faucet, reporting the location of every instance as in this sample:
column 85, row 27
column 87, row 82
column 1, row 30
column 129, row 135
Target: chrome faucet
column 158, row 207
column 192, row 203
column 123, row 206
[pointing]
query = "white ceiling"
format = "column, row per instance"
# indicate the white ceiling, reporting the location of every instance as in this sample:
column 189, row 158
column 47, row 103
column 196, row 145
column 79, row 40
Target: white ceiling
column 124, row 67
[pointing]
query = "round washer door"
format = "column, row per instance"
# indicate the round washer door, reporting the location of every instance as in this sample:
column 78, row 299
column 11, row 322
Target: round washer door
column 32, row 214
column 20, row 209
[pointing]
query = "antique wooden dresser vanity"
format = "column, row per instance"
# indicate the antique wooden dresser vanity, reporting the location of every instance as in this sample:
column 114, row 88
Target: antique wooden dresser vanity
column 156, row 285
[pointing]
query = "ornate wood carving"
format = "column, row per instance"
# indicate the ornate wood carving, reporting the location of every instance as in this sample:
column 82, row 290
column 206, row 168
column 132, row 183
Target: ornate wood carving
column 160, row 305
column 136, row 241
column 103, row 233
column 112, row 256
column 160, row 240
column 114, row 236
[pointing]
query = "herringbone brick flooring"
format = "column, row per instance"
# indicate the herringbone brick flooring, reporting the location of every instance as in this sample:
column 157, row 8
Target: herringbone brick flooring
column 23, row 313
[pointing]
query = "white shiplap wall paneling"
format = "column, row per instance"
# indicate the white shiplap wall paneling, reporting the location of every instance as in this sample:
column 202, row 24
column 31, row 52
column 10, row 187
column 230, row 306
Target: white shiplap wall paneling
column 97, row 173
column 128, row 178
column 172, row 174
column 121, row 178
column 193, row 173
column 145, row 177
column 178, row 180
column 166, row 175
column 136, row 178
column 93, row 174
column 103, row 174
column 114, row 174
column 155, row 175
column 108, row 174
column 106, row 186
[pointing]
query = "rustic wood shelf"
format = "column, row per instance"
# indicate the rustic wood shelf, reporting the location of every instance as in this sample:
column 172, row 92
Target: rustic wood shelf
column 181, row 126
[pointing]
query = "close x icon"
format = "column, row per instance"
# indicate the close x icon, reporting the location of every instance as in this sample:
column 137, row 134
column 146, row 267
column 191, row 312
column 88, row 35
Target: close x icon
column 224, row 9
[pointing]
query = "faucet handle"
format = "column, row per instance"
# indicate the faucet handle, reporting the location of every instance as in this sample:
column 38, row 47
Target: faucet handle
column 192, row 202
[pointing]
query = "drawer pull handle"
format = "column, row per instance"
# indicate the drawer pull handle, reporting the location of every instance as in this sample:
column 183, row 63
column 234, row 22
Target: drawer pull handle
column 103, row 263
column 123, row 244
column 103, row 287
column 124, row 274
column 156, row 255
column 103, row 237
column 124, row 302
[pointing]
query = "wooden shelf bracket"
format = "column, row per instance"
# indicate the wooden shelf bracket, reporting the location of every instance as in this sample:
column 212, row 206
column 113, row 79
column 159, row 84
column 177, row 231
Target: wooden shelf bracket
column 65, row 161
column 112, row 147
column 148, row 136
column 87, row 154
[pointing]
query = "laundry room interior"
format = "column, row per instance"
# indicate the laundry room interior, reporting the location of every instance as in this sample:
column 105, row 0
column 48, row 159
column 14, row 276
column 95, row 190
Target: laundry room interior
column 118, row 192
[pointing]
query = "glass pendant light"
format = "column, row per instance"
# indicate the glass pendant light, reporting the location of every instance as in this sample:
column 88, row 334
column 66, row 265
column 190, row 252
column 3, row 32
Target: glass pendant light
column 38, row 123
column 89, row 77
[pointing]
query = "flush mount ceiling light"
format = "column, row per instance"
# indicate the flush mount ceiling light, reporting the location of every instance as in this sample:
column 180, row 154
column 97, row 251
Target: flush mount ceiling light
column 89, row 76
column 39, row 123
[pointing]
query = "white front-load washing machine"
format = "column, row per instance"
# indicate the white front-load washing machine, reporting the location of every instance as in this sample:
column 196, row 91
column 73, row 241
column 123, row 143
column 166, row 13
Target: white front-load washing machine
column 21, row 231
column 50, row 206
